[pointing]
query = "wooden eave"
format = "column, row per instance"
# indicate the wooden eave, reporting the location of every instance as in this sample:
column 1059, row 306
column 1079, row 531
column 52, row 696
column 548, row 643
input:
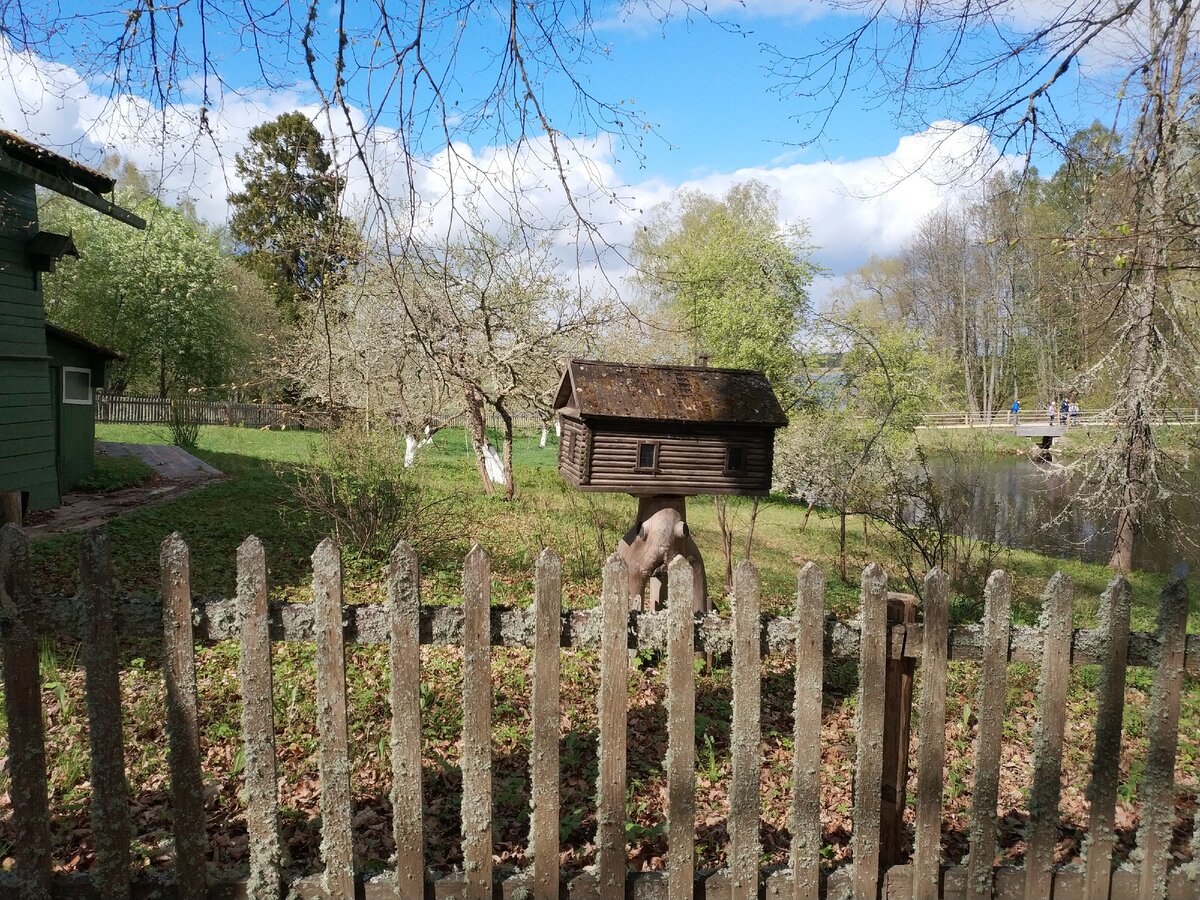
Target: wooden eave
column 79, row 340
column 63, row 176
column 685, row 396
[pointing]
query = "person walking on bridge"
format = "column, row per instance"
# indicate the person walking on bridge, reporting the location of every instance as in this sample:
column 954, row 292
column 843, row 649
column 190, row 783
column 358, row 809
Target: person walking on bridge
column 1050, row 409
column 1014, row 413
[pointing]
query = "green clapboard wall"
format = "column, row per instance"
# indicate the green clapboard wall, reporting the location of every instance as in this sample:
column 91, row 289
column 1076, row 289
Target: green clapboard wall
column 27, row 448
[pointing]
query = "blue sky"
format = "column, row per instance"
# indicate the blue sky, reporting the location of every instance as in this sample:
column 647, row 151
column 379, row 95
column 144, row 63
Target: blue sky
column 863, row 188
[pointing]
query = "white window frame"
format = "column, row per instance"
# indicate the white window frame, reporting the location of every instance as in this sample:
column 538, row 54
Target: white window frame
column 91, row 390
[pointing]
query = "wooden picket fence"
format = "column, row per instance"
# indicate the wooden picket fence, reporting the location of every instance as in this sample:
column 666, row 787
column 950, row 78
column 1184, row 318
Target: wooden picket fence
column 119, row 409
column 811, row 639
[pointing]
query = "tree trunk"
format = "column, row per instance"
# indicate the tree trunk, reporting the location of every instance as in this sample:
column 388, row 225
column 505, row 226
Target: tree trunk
column 842, row 542
column 721, row 505
column 750, row 527
column 477, row 433
column 510, row 484
column 1154, row 161
column 807, row 512
column 1135, row 426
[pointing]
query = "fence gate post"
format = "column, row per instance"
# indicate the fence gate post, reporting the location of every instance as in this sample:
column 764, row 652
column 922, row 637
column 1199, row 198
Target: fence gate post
column 869, row 760
column 898, row 694
column 11, row 508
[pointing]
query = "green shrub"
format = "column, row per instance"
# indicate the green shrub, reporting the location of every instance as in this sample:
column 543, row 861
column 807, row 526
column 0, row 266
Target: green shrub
column 359, row 490
column 185, row 423
column 113, row 473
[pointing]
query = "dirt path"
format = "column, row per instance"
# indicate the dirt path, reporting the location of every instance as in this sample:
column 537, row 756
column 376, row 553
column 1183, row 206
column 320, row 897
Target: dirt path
column 179, row 473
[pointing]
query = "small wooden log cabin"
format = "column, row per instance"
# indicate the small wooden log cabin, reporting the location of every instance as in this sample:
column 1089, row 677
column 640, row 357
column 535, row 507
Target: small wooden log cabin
column 46, row 412
column 666, row 430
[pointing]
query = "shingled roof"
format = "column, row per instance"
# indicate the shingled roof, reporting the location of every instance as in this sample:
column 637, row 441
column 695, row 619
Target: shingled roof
column 55, row 164
column 690, row 394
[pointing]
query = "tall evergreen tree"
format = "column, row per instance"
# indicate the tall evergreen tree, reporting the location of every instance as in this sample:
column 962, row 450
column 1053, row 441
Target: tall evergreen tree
column 287, row 215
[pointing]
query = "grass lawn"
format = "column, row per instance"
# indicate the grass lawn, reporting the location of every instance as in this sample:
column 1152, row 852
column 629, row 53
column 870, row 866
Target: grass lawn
column 583, row 529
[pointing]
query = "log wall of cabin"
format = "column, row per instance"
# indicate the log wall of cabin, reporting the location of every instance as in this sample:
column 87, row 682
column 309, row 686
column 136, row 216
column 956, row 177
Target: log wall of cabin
column 573, row 448
column 687, row 463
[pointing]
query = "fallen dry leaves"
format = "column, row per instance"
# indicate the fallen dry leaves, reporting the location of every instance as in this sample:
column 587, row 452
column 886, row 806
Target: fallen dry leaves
column 297, row 747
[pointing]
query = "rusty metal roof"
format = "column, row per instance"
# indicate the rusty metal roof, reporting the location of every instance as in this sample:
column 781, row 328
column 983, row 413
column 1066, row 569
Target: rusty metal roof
column 688, row 394
column 55, row 164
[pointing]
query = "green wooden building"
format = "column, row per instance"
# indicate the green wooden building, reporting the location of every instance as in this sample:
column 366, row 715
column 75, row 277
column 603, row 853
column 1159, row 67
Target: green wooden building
column 48, row 376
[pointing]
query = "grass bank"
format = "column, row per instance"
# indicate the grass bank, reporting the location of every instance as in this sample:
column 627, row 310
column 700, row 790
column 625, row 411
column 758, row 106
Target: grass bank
column 583, row 529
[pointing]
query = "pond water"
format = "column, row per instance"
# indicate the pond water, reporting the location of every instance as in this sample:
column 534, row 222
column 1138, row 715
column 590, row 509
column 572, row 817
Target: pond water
column 1030, row 505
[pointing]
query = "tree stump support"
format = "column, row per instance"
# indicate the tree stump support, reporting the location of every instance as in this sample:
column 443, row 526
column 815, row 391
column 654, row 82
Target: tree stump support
column 659, row 534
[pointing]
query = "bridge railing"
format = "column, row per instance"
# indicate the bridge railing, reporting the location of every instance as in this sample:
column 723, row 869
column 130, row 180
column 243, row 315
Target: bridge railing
column 1189, row 415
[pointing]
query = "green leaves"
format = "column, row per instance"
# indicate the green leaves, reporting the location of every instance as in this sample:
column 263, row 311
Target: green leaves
column 287, row 216
column 163, row 297
column 731, row 277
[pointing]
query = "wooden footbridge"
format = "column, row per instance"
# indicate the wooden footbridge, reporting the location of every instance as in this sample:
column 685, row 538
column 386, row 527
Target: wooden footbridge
column 1036, row 423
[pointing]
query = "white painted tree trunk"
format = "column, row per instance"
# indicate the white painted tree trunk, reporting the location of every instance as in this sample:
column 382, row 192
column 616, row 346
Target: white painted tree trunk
column 558, row 428
column 412, row 445
column 545, row 434
column 495, row 468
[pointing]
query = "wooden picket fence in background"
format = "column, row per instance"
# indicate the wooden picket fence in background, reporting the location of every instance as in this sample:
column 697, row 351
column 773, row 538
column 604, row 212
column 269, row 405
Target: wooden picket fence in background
column 404, row 623
column 119, row 409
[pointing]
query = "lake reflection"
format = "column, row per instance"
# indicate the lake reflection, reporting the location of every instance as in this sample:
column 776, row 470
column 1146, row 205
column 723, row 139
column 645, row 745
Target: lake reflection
column 1030, row 505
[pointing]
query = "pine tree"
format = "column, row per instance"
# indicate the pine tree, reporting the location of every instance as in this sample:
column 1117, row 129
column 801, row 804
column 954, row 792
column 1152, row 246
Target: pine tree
column 287, row 216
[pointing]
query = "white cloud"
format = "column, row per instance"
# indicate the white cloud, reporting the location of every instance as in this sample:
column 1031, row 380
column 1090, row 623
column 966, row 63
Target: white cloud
column 854, row 208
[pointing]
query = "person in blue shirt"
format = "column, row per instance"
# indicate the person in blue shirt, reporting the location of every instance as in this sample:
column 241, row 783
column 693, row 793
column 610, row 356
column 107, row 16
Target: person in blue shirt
column 1014, row 413
column 1063, row 409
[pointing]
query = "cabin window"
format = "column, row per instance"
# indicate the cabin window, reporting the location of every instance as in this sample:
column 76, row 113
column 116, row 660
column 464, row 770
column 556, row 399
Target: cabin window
column 647, row 458
column 735, row 461
column 571, row 447
column 77, row 386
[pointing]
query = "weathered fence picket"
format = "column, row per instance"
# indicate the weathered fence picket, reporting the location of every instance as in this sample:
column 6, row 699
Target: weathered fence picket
column 868, row 783
column 102, row 672
column 544, row 771
column 1114, row 615
column 613, row 714
column 408, row 828
column 990, row 712
column 681, row 732
column 337, row 807
column 1162, row 719
column 931, row 748
column 183, row 721
column 805, row 636
column 745, row 805
column 806, row 764
column 476, row 762
column 28, row 784
column 1053, row 680
column 258, row 722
